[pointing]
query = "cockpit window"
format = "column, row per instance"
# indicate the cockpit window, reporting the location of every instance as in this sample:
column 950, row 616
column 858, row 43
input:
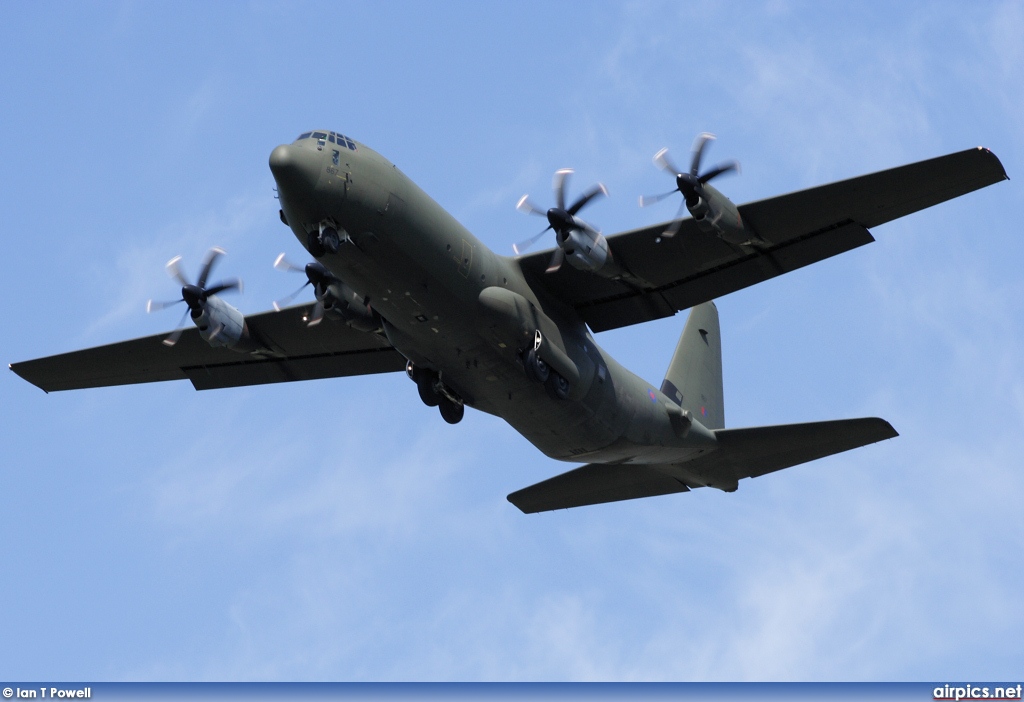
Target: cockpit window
column 333, row 137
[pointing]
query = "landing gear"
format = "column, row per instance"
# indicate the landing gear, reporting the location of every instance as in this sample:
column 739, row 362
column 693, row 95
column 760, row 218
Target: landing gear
column 434, row 393
column 451, row 412
column 536, row 369
column 540, row 372
column 428, row 394
column 425, row 384
column 313, row 245
column 330, row 239
column 323, row 241
column 557, row 386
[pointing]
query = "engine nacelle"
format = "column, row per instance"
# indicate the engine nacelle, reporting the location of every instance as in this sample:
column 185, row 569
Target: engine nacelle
column 715, row 214
column 345, row 304
column 220, row 324
column 588, row 251
column 585, row 250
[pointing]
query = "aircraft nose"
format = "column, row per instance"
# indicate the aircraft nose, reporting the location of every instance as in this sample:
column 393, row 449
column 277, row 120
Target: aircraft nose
column 294, row 167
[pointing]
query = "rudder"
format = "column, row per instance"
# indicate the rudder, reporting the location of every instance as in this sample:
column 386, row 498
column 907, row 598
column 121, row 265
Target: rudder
column 694, row 377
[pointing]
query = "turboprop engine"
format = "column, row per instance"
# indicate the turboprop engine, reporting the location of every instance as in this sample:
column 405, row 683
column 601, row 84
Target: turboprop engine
column 333, row 297
column 712, row 211
column 583, row 246
column 219, row 323
column 716, row 214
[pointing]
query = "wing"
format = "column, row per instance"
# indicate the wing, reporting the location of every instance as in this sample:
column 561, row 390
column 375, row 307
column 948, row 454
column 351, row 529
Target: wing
column 295, row 352
column 741, row 453
column 799, row 229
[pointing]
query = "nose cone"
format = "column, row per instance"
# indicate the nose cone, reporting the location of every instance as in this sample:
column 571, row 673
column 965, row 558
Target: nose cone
column 295, row 168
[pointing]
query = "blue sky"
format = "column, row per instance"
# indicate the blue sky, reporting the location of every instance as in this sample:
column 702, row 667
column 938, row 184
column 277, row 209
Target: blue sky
column 338, row 529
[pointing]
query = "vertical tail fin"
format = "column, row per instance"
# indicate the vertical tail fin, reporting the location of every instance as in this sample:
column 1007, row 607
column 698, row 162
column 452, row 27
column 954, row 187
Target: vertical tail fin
column 694, row 377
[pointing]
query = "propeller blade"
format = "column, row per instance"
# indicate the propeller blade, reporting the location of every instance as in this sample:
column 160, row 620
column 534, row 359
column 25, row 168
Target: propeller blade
column 283, row 264
column 587, row 227
column 211, row 257
column 527, row 243
column 719, row 170
column 527, row 206
column 698, row 151
column 665, row 163
column 558, row 184
column 230, row 284
column 318, row 314
column 673, row 228
column 278, row 304
column 556, row 260
column 646, row 200
column 174, row 270
column 153, row 305
column 176, row 334
column 586, row 197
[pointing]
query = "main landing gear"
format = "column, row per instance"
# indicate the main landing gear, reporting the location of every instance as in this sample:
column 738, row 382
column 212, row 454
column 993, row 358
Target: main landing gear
column 540, row 372
column 434, row 393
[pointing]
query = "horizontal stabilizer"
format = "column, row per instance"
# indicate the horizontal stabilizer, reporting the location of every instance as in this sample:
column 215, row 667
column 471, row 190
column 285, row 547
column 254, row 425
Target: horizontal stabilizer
column 595, row 483
column 741, row 453
column 755, row 451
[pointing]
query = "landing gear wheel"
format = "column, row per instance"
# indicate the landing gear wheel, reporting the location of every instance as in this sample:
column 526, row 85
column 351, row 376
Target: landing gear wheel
column 313, row 245
column 557, row 386
column 451, row 412
column 330, row 240
column 425, row 380
column 425, row 386
column 536, row 369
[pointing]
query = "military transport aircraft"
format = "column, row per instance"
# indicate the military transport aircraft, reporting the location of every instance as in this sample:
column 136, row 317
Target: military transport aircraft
column 401, row 285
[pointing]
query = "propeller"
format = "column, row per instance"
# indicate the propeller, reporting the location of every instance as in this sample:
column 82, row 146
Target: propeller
column 561, row 219
column 194, row 296
column 317, row 275
column 691, row 183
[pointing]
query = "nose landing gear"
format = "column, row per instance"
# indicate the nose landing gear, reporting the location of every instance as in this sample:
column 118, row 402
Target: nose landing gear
column 323, row 240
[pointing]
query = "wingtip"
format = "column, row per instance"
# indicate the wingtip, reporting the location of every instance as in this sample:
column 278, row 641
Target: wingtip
column 988, row 151
column 518, row 506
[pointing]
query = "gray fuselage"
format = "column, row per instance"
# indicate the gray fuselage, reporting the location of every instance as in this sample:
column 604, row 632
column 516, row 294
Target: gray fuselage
column 453, row 306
